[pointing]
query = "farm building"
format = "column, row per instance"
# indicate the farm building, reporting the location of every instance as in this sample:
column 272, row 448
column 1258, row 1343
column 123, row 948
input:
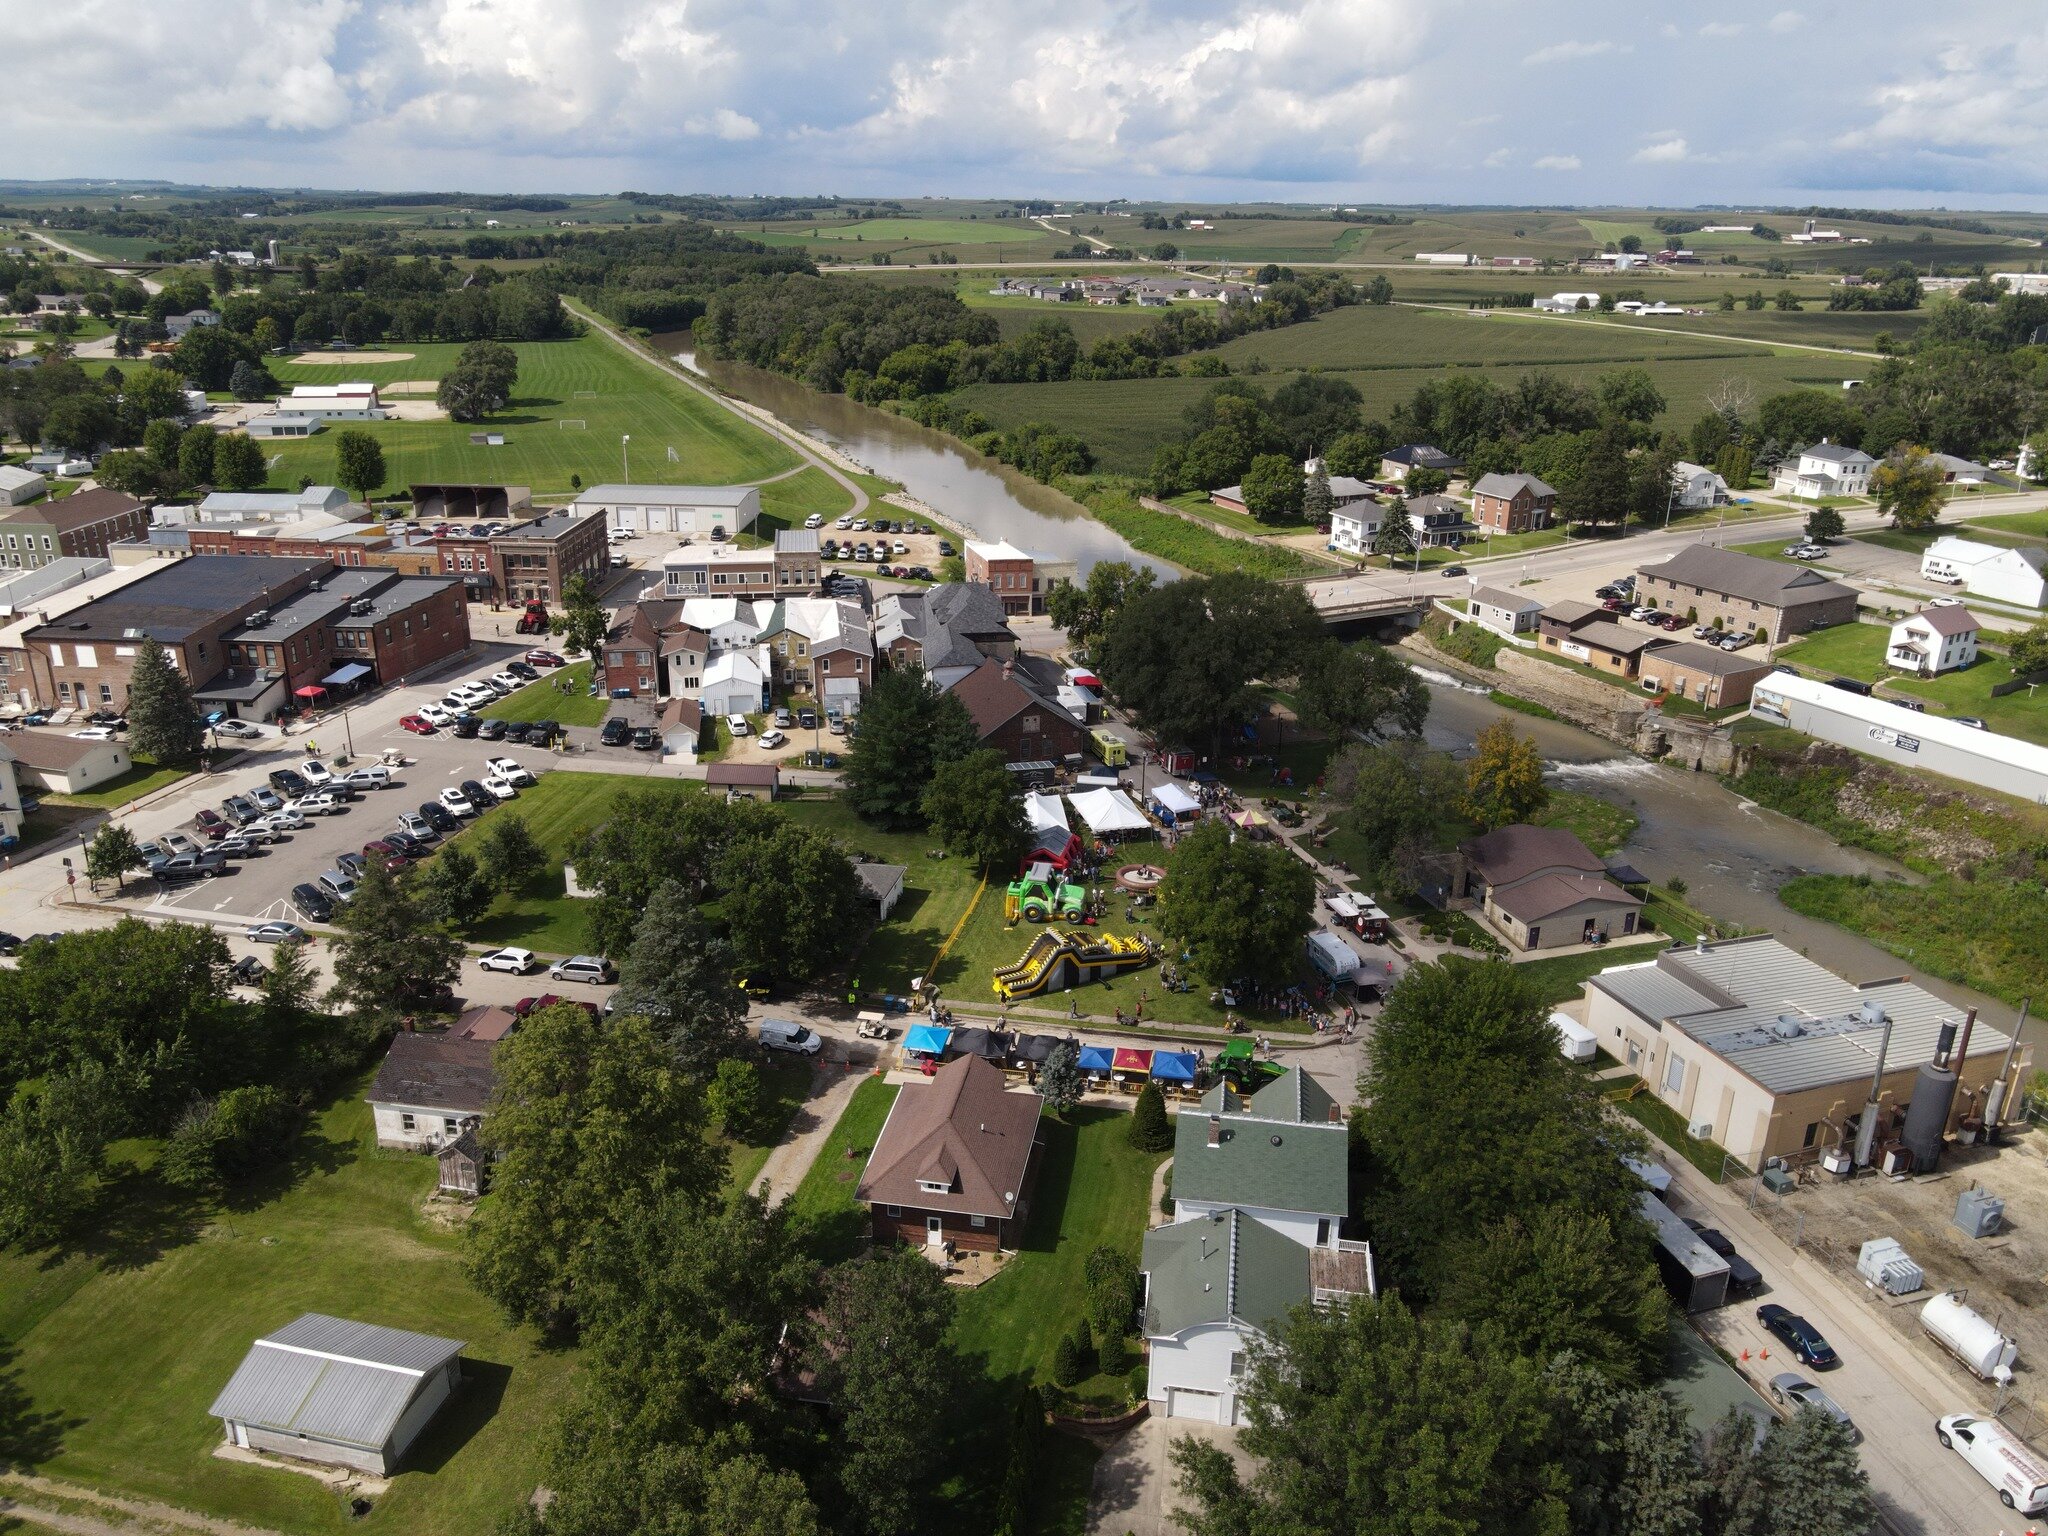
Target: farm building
column 704, row 511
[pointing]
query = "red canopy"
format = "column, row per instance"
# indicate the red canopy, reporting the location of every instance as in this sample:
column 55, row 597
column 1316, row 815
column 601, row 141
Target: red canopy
column 1128, row 1060
column 311, row 691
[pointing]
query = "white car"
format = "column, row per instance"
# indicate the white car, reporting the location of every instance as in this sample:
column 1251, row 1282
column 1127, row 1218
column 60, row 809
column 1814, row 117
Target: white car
column 844, row 522
column 456, row 801
column 315, row 772
column 773, row 739
column 501, row 788
column 737, row 724
column 517, row 961
column 474, row 695
column 618, row 535
column 899, row 547
column 285, row 819
column 506, row 682
column 815, row 520
column 437, row 714
column 316, row 805
column 375, row 777
column 508, row 768
column 95, row 733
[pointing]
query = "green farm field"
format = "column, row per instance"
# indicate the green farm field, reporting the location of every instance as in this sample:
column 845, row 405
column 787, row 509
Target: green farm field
column 587, row 380
column 1399, row 336
column 910, row 239
column 118, row 1349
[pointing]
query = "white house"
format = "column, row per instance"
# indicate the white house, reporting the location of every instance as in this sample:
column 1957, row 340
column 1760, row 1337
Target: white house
column 1825, row 469
column 727, row 622
column 429, row 1086
column 700, row 511
column 353, row 401
column 1432, row 521
column 1260, row 1187
column 1986, row 570
column 1505, row 613
column 1352, row 527
column 734, row 683
column 1936, row 639
column 1694, row 486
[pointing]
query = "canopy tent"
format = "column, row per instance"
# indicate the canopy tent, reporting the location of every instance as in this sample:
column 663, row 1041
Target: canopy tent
column 1343, row 904
column 984, row 1043
column 341, row 676
column 1097, row 1058
column 1081, row 679
column 1045, row 811
column 927, row 1040
column 1249, row 821
column 1172, row 797
column 1128, row 1059
column 310, row 691
column 1028, row 1052
column 1175, row 1066
column 1109, row 810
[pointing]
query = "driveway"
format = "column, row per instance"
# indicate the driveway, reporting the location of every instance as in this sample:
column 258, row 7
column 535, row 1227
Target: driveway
column 1134, row 1489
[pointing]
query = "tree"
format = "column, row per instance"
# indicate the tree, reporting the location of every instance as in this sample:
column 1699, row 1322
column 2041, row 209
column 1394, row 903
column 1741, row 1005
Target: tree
column 1394, row 797
column 1629, row 395
column 1067, row 1369
column 2028, row 650
column 160, row 440
column 390, row 960
column 1395, row 535
column 1630, row 1468
column 883, row 1349
column 1150, row 1130
column 907, row 729
column 162, row 720
column 1600, row 492
column 589, row 1122
column 359, row 465
column 1316, row 501
column 1734, row 464
column 680, row 974
column 1424, row 481
column 791, row 902
column 481, row 381
column 451, row 890
column 1909, row 487
column 734, row 1096
column 976, row 810
column 195, row 455
column 1360, row 692
column 1824, row 524
column 581, row 623
column 1240, row 909
column 1086, row 612
column 239, row 463
column 1804, row 1477
column 1504, row 781
column 1631, row 243
column 1060, row 1083
column 1371, row 1418
column 112, row 852
column 53, row 1137
column 1273, row 489
column 266, row 336
column 133, row 474
column 508, row 854
column 218, row 1141
column 151, row 395
column 1379, row 290
column 249, row 382
column 207, row 355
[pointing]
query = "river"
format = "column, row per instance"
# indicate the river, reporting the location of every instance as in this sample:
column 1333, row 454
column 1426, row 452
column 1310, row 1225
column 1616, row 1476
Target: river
column 978, row 495
column 1732, row 854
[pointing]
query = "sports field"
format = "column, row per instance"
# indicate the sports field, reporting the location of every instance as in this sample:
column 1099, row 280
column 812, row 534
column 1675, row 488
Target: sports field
column 573, row 402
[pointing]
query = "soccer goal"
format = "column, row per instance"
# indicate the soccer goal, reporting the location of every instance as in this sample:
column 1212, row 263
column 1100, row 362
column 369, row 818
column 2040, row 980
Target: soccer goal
column 275, row 460
column 586, row 394
column 674, row 457
column 571, row 424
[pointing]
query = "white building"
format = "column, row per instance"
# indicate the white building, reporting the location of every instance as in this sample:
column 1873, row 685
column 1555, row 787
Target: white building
column 734, row 683
column 726, row 622
column 1694, row 486
column 1505, row 613
column 1989, row 571
column 1825, row 469
column 1936, row 639
column 1568, row 303
column 1446, row 259
column 698, row 511
column 353, row 401
column 20, row 486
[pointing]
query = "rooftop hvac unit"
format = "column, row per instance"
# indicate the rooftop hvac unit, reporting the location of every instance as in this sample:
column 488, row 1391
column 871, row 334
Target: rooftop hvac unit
column 258, row 619
column 1897, row 1161
column 1884, row 1264
column 1979, row 1213
column 1701, row 1130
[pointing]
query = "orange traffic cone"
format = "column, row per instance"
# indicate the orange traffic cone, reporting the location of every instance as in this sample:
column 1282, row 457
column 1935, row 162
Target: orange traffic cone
column 1763, row 1354
column 1745, row 1354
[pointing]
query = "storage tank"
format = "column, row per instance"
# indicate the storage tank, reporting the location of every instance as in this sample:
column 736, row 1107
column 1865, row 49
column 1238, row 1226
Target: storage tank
column 1934, row 1093
column 1964, row 1333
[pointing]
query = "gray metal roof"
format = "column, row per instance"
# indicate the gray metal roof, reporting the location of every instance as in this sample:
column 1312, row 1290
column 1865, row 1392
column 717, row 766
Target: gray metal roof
column 1731, row 573
column 1494, row 597
column 1782, row 1020
column 796, row 541
column 1710, row 659
column 667, row 495
column 332, row 1379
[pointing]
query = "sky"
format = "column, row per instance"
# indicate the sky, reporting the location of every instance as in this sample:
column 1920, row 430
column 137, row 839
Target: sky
column 1867, row 102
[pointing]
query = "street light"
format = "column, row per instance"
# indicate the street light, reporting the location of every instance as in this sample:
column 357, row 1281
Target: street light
column 625, row 469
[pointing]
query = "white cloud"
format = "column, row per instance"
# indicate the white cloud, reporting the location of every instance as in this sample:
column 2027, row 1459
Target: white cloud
column 1970, row 102
column 1556, row 163
column 1663, row 152
column 1559, row 53
column 1498, row 158
column 1723, row 29
column 1786, row 21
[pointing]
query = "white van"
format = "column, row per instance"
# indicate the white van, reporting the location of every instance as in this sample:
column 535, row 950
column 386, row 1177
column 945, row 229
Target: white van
column 781, row 1035
column 2001, row 1458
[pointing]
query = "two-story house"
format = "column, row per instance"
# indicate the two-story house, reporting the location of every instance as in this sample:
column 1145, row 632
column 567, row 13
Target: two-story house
column 1825, row 469
column 1014, row 718
column 955, row 1161
column 1936, row 639
column 1512, row 503
column 821, row 646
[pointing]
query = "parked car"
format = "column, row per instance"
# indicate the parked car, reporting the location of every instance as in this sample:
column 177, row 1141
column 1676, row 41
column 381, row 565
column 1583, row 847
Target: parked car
column 240, row 729
column 946, row 547
column 277, row 933
column 616, row 732
column 815, row 520
column 377, row 776
column 354, row 865
column 807, row 719
column 316, row 773
column 1998, row 1456
column 500, row 788
column 419, row 725
column 247, row 972
column 515, row 730
column 782, row 1035
column 237, row 845
column 1798, row 1335
column 438, row 714
column 540, row 658
column 456, row 803
column 774, row 739
column 506, row 681
column 240, row 809
column 254, row 832
column 383, row 849
column 525, row 671
column 492, row 730
column 737, row 724
column 510, row 768
column 593, row 969
column 517, row 962
column 1972, row 721
column 283, row 819
column 646, row 739
column 439, row 817
column 288, row 783
column 466, row 727
column 1744, row 1278
column 182, row 868
column 418, row 828
column 1794, row 1391
column 178, row 842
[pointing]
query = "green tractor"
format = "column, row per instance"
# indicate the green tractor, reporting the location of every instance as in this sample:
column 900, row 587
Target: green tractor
column 1041, row 896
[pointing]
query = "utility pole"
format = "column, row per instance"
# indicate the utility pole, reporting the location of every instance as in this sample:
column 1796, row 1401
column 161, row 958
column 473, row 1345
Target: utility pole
column 625, row 468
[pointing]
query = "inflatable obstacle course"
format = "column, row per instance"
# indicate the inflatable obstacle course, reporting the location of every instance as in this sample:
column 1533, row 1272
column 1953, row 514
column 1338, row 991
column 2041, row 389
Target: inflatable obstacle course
column 1057, row 962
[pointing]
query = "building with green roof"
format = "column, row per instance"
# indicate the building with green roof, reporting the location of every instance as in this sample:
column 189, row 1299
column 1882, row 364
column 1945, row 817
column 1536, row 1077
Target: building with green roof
column 1281, row 1154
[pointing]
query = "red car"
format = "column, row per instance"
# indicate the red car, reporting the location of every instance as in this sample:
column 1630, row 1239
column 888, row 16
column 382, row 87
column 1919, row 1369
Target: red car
column 388, row 854
column 527, row 1005
column 419, row 725
column 546, row 659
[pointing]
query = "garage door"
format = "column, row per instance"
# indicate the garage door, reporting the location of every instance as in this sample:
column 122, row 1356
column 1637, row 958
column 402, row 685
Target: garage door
column 628, row 517
column 1185, row 1403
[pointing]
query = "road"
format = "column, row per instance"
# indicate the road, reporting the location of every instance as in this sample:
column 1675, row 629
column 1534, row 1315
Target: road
column 149, row 284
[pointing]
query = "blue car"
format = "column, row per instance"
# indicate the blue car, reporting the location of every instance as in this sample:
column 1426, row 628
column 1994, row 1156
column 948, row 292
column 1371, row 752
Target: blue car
column 1799, row 1336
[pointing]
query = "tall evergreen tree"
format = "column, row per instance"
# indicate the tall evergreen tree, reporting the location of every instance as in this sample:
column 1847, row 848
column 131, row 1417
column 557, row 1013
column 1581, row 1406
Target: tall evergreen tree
column 390, row 960
column 907, row 729
column 681, row 975
column 163, row 722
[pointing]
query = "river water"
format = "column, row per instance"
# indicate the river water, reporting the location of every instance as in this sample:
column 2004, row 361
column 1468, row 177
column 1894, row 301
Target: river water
column 989, row 500
column 1733, row 855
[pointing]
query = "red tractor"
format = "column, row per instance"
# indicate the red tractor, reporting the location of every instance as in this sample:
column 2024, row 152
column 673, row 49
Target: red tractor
column 535, row 620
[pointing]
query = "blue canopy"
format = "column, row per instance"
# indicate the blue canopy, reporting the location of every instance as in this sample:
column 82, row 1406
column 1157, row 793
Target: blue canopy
column 1097, row 1058
column 927, row 1039
column 1174, row 1066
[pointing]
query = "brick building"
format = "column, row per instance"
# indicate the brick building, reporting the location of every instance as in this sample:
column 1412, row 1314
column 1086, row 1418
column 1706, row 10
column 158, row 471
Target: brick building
column 1512, row 503
column 530, row 560
column 1706, row 674
column 1585, row 634
column 791, row 567
column 1745, row 593
column 1012, row 717
column 1005, row 570
column 84, row 525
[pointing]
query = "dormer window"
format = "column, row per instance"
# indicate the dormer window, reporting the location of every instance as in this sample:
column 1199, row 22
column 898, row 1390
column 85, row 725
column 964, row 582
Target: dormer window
column 933, row 1189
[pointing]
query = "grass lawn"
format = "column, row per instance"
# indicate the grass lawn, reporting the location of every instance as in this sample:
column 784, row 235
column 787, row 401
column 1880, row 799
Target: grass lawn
column 144, row 777
column 1198, row 504
column 119, row 1349
column 49, row 821
column 1561, row 978
column 1094, row 1190
column 1968, row 692
column 787, row 502
column 1600, row 824
column 544, row 700
column 1668, row 1126
column 824, row 1200
column 1166, row 537
column 1906, row 541
column 784, row 1087
column 612, row 392
column 1850, row 650
column 2029, row 526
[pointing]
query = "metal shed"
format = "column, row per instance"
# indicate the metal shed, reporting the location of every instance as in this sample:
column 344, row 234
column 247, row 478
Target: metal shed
column 342, row 1393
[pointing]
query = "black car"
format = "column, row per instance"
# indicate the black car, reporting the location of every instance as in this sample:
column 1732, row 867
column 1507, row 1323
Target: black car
column 491, row 730
column 645, row 739
column 807, row 719
column 525, row 669
column 412, row 847
column 616, row 732
column 468, row 726
column 946, row 547
column 313, row 902
column 474, row 792
column 1744, row 1278
column 1798, row 1335
column 439, row 817
column 1452, row 570
column 518, row 731
column 9, row 943
column 288, row 783
column 541, row 732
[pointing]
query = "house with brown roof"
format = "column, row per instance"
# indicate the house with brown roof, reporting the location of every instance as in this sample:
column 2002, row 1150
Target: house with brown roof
column 632, row 647
column 62, row 764
column 1702, row 583
column 1542, row 888
column 1940, row 638
column 955, row 1161
column 429, row 1087
column 1014, row 718
column 82, row 525
column 1709, row 676
column 753, row 781
column 1585, row 634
